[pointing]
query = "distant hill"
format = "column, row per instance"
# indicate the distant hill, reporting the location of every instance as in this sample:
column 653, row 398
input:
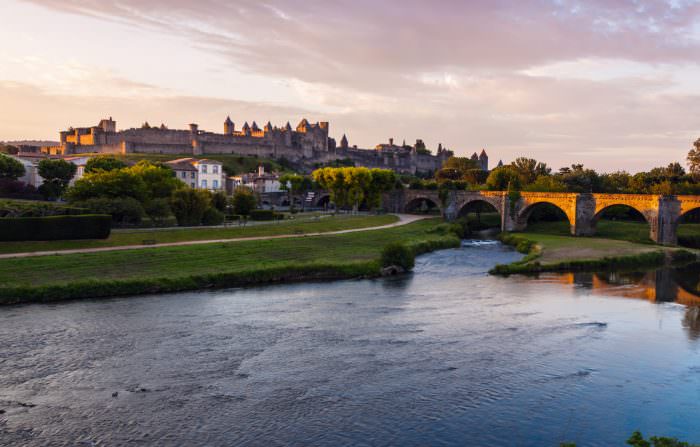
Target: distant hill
column 29, row 143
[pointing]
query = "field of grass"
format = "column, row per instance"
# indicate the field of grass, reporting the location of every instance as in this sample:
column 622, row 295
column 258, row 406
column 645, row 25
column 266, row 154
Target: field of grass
column 210, row 265
column 136, row 237
column 550, row 246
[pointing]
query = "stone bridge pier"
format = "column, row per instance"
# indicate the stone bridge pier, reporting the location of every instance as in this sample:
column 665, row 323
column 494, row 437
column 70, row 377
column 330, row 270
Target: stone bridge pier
column 583, row 211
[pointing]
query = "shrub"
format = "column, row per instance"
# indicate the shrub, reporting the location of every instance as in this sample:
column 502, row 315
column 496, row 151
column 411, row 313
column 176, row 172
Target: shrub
column 265, row 215
column 189, row 205
column 219, row 201
column 399, row 255
column 243, row 201
column 86, row 226
column 212, row 216
column 10, row 168
column 158, row 210
column 124, row 210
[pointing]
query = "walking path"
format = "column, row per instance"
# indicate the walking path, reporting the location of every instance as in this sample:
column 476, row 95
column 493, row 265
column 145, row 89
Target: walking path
column 403, row 220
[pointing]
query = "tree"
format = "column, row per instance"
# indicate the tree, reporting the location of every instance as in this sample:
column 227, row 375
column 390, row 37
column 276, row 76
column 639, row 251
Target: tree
column 243, row 201
column 579, row 179
column 504, row 178
column 188, row 205
column 219, row 201
column 381, row 181
column 458, row 168
column 158, row 210
column 159, row 180
column 546, row 183
column 116, row 183
column 292, row 183
column 529, row 169
column 104, row 163
column 56, row 174
column 10, row 168
column 694, row 160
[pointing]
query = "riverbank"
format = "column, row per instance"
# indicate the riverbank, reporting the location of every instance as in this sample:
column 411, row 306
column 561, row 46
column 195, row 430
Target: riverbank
column 553, row 252
column 216, row 265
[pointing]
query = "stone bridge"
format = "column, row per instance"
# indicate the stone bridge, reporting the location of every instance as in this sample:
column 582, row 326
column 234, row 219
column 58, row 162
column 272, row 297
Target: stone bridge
column 662, row 213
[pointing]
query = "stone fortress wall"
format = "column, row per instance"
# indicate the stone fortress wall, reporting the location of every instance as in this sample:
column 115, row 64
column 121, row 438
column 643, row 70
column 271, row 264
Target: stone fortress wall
column 307, row 145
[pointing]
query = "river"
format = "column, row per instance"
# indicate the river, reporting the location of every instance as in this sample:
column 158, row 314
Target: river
column 446, row 356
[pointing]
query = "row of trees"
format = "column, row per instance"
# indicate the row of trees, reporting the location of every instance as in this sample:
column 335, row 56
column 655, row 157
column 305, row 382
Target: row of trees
column 352, row 187
column 56, row 175
column 146, row 189
column 528, row 174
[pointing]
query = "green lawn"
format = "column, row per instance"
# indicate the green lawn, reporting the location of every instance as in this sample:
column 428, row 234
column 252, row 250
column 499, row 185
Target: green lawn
column 170, row 265
column 136, row 237
column 612, row 239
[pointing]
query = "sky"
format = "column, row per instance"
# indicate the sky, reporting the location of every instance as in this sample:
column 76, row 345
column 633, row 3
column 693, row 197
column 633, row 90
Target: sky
column 612, row 84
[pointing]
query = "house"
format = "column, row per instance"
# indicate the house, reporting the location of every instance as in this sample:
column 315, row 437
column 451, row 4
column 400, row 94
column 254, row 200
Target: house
column 260, row 181
column 199, row 173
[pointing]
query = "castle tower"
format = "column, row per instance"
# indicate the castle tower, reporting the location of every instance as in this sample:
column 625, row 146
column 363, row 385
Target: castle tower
column 246, row 129
column 268, row 127
column 475, row 158
column 484, row 160
column 229, row 127
column 254, row 127
column 344, row 142
column 303, row 125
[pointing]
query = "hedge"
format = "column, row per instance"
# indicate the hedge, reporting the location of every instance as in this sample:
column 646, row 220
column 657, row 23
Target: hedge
column 51, row 228
column 265, row 215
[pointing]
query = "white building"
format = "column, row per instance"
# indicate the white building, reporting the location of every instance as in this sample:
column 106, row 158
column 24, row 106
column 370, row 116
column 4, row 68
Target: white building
column 260, row 182
column 204, row 173
column 30, row 161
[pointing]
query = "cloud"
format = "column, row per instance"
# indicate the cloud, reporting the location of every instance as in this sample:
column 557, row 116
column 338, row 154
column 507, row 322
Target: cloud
column 562, row 80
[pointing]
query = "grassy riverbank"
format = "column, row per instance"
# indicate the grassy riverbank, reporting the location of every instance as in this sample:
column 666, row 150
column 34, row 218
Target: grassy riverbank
column 137, row 237
column 170, row 269
column 554, row 252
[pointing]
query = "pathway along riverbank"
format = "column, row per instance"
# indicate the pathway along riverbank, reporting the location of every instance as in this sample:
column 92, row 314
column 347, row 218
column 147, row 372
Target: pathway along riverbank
column 134, row 271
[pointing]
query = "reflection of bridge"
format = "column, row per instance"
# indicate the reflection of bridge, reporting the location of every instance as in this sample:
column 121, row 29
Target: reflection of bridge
column 662, row 213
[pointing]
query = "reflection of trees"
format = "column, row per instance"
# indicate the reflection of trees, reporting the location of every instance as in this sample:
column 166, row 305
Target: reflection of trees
column 691, row 322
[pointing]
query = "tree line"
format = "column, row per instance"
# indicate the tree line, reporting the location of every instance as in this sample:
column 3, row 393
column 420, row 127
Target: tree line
column 527, row 174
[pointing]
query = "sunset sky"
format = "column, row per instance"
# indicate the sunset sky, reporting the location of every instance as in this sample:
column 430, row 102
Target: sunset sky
column 613, row 84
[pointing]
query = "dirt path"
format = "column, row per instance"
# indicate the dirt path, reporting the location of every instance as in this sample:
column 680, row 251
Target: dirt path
column 403, row 220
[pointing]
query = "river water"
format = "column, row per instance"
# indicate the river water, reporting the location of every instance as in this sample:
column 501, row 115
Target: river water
column 446, row 356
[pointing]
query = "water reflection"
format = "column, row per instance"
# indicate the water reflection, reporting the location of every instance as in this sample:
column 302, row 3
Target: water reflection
column 679, row 285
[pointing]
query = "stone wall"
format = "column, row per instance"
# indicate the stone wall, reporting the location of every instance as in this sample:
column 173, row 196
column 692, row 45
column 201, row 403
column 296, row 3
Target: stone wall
column 583, row 211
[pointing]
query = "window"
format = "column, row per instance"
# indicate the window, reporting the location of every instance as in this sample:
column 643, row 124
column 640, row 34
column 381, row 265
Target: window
column 204, row 183
column 192, row 174
column 215, row 169
column 215, row 184
column 204, row 169
column 184, row 174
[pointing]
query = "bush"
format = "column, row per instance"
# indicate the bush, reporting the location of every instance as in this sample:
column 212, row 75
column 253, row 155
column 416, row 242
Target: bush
column 399, row 255
column 189, row 205
column 265, row 215
column 158, row 210
column 124, row 211
column 52, row 228
column 212, row 216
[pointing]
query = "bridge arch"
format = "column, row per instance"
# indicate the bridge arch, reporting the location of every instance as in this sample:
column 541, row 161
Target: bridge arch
column 600, row 210
column 422, row 205
column 523, row 215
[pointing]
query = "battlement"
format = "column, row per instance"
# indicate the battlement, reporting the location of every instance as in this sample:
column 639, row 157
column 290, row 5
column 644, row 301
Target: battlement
column 306, row 144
